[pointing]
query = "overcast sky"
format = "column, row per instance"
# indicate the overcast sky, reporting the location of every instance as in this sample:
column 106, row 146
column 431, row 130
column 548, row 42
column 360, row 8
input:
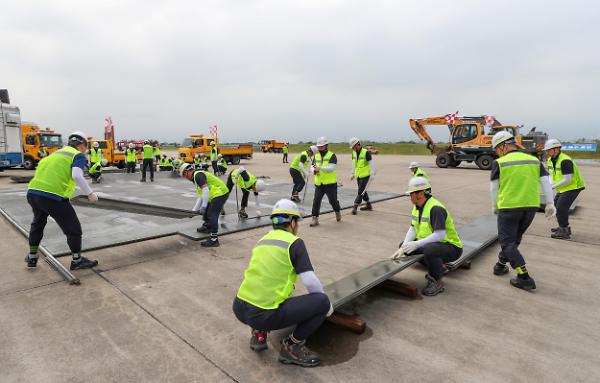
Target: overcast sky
column 295, row 70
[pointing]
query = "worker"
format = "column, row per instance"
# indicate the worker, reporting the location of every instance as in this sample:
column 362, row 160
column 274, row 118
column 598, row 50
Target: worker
column 214, row 193
column 176, row 165
column 222, row 164
column 363, row 169
column 431, row 233
column 48, row 194
column 130, row 158
column 96, row 170
column 165, row 163
column 300, row 170
column 95, row 154
column 214, row 157
column 198, row 161
column 417, row 171
column 285, row 151
column 147, row 161
column 247, row 182
column 325, row 173
column 264, row 300
column 42, row 153
column 515, row 192
column 156, row 151
column 567, row 181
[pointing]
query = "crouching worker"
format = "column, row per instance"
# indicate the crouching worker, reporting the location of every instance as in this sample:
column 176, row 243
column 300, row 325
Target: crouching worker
column 431, row 233
column 165, row 164
column 264, row 300
column 247, row 182
column 222, row 164
column 213, row 194
column 96, row 171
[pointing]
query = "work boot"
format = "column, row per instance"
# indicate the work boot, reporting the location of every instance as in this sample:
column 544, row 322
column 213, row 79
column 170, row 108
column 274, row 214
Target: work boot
column 258, row 340
column 354, row 209
column 433, row 287
column 298, row 353
column 83, row 263
column 500, row 269
column 31, row 262
column 338, row 216
column 315, row 222
column 210, row 242
column 367, row 207
column 555, row 229
column 295, row 198
column 202, row 229
column 562, row 233
column 143, row 180
column 151, row 179
column 523, row 283
column 243, row 214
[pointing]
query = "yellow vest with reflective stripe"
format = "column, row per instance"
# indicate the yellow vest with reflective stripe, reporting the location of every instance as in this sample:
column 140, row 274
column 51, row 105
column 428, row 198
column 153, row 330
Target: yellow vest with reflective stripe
column 95, row 155
column 424, row 229
column 324, row 178
column 421, row 173
column 131, row 155
column 216, row 186
column 577, row 181
column 156, row 151
column 362, row 169
column 270, row 277
column 296, row 162
column 223, row 163
column 246, row 185
column 53, row 174
column 519, row 182
column 147, row 152
column 214, row 154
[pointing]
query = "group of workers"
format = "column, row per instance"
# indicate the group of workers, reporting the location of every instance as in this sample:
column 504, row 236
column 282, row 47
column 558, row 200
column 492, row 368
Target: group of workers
column 264, row 301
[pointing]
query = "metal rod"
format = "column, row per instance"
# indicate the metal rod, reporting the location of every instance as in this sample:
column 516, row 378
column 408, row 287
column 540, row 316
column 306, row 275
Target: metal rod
column 56, row 265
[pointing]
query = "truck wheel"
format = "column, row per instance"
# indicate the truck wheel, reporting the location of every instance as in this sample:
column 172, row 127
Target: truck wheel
column 120, row 165
column 4, row 98
column 484, row 162
column 454, row 163
column 28, row 163
column 235, row 160
column 442, row 161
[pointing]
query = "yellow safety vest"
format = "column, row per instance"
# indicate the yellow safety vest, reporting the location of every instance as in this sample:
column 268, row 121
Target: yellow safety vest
column 324, row 178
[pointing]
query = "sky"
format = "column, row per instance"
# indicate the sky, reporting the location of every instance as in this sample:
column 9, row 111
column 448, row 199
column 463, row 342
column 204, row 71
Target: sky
column 297, row 70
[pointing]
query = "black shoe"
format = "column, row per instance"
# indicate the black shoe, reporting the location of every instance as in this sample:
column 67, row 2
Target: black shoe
column 210, row 243
column 433, row 287
column 31, row 262
column 83, row 263
column 295, row 198
column 562, row 233
column 298, row 353
column 202, row 229
column 151, row 179
column 354, row 209
column 258, row 340
column 243, row 214
column 367, row 207
column 500, row 269
column 142, row 180
column 523, row 283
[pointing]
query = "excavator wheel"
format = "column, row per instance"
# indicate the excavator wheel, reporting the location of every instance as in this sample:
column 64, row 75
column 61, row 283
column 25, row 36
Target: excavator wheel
column 484, row 162
column 442, row 161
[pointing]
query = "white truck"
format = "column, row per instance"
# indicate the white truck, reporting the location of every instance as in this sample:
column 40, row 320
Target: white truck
column 11, row 145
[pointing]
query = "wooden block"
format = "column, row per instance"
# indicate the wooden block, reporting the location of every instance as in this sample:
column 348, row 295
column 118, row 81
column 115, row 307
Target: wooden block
column 401, row 288
column 466, row 265
column 349, row 322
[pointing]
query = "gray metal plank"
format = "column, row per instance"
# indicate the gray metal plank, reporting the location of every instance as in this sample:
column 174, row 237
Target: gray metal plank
column 133, row 207
column 476, row 236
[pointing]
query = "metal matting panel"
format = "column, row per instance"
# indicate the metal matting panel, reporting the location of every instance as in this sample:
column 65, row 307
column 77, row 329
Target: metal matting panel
column 133, row 207
column 475, row 236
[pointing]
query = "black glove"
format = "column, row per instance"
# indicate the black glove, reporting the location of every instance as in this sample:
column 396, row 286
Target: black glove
column 256, row 193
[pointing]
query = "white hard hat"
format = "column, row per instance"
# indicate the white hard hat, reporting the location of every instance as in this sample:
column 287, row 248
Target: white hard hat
column 501, row 137
column 184, row 167
column 213, row 143
column 96, row 144
column 220, row 156
column 413, row 165
column 322, row 141
column 260, row 185
column 241, row 169
column 286, row 207
column 78, row 136
column 130, row 145
column 313, row 149
column 418, row 183
column 552, row 143
column 104, row 162
column 353, row 141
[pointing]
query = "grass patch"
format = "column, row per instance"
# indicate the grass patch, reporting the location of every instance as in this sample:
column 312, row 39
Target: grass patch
column 407, row 149
column 583, row 155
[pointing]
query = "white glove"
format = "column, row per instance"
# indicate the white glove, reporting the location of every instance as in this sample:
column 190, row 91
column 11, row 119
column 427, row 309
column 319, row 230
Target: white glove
column 550, row 210
column 495, row 210
column 397, row 255
column 409, row 247
column 92, row 197
column 330, row 310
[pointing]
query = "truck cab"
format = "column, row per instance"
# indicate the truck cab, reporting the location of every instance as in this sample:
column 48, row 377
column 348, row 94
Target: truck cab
column 11, row 147
column 200, row 144
column 36, row 139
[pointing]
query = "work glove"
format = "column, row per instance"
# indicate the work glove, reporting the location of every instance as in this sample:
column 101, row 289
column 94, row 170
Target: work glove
column 550, row 210
column 495, row 210
column 255, row 193
column 92, row 197
column 409, row 247
column 330, row 310
column 397, row 255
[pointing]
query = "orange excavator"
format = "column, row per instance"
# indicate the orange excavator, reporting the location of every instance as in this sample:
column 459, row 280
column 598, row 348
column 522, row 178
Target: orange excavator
column 469, row 140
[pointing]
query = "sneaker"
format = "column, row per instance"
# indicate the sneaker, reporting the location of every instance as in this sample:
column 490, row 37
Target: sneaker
column 367, row 207
column 338, row 216
column 523, row 283
column 354, row 209
column 210, row 243
column 31, row 262
column 83, row 263
column 243, row 214
column 298, row 353
column 562, row 233
column 314, row 222
column 433, row 287
column 258, row 340
column 555, row 229
column 295, row 198
column 500, row 269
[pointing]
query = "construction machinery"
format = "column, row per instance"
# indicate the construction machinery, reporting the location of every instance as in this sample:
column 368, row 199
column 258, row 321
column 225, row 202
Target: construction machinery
column 113, row 151
column 36, row 141
column 200, row 144
column 11, row 147
column 272, row 146
column 471, row 139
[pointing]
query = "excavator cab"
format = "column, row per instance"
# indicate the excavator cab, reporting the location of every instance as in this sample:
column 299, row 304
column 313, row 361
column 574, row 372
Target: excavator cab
column 464, row 133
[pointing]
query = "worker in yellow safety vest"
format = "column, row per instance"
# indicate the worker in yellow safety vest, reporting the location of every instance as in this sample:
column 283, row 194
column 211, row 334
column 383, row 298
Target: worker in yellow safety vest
column 95, row 154
column 130, row 158
column 363, row 169
column 247, row 183
column 147, row 161
column 416, row 170
column 325, row 174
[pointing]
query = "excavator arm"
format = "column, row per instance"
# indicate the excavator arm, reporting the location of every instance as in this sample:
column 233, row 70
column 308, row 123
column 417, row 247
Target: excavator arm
column 418, row 126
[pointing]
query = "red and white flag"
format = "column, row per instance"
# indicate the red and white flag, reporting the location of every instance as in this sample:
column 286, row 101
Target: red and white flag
column 213, row 130
column 451, row 118
column 489, row 120
column 108, row 126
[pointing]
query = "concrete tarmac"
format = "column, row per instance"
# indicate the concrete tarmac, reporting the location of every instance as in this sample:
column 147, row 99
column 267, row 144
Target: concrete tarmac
column 160, row 310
